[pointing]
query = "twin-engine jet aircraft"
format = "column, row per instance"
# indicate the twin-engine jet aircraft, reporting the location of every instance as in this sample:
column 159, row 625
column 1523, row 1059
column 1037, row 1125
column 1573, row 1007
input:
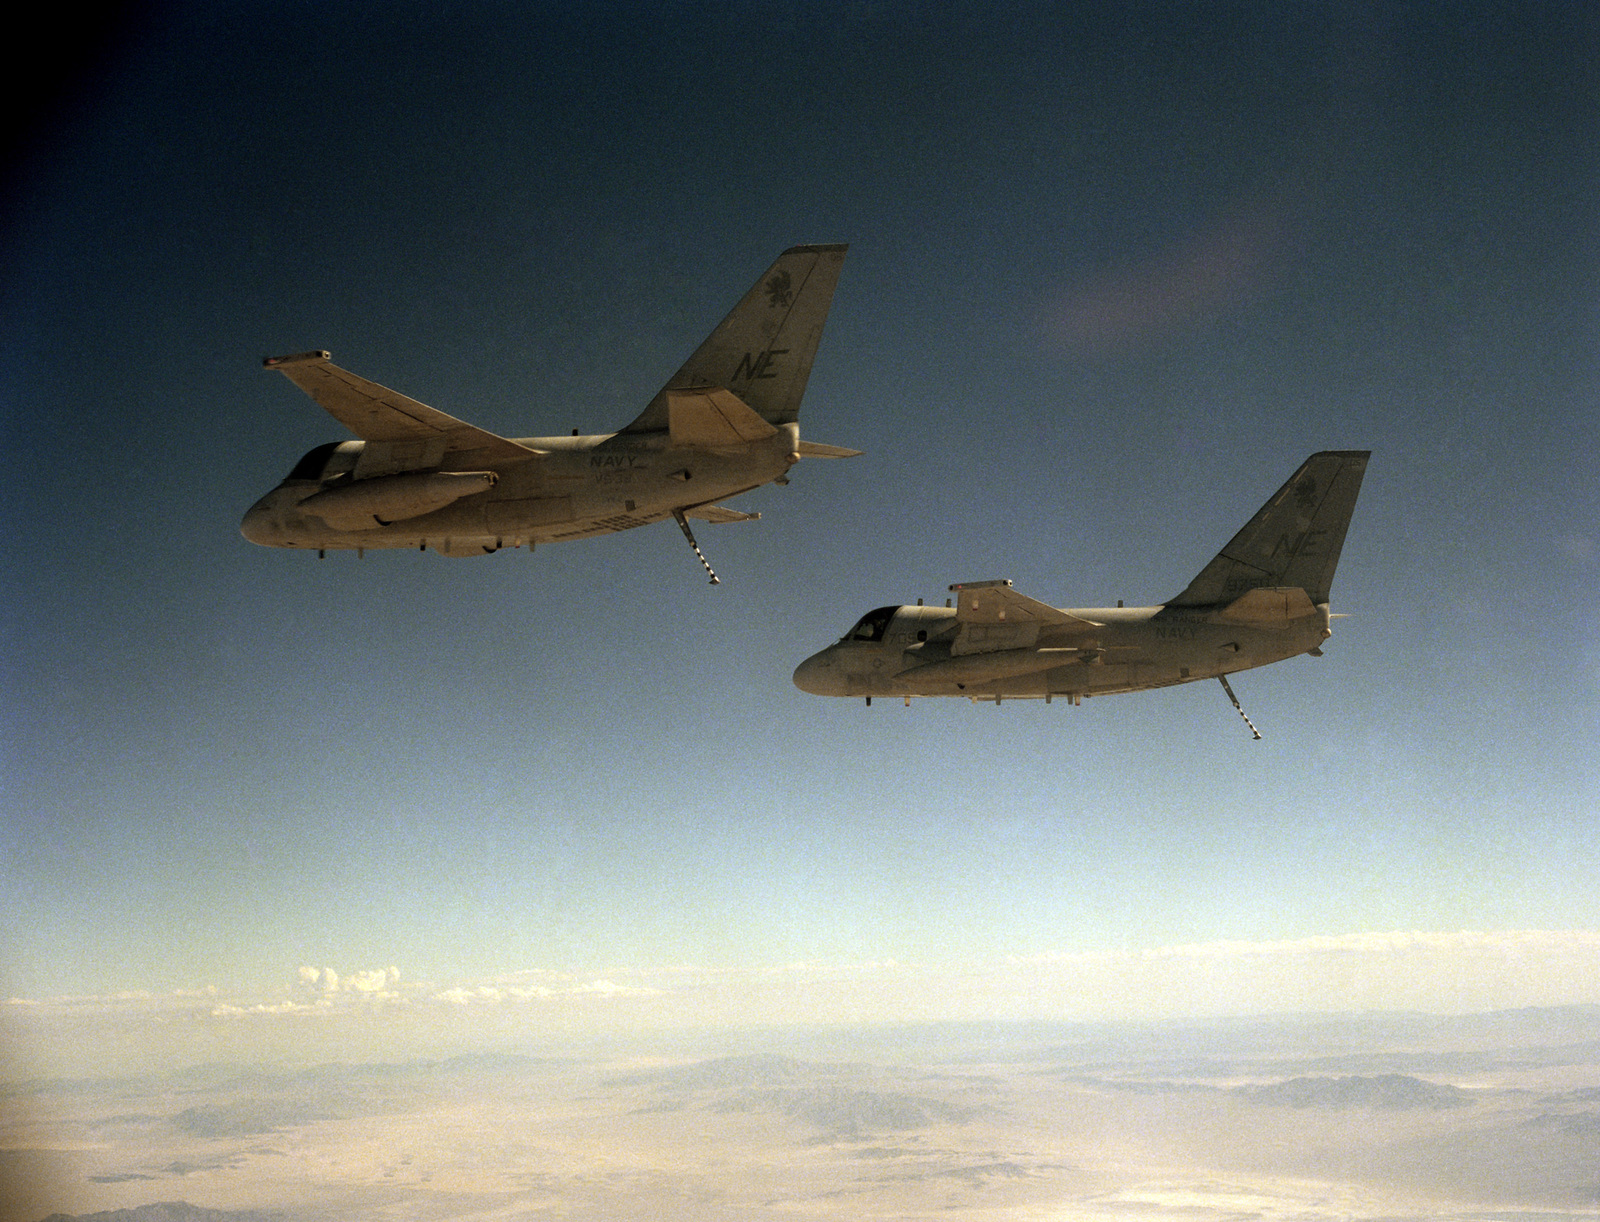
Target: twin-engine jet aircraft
column 1262, row 599
column 727, row 422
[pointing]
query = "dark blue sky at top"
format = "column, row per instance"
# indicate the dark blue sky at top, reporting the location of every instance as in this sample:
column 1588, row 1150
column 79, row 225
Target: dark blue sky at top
column 1113, row 274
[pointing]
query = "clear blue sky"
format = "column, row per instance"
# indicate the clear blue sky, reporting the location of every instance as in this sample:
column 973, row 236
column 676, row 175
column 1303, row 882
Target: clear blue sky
column 1113, row 274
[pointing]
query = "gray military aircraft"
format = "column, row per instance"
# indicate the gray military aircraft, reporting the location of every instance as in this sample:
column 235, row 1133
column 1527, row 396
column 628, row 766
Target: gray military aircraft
column 725, row 423
column 1262, row 599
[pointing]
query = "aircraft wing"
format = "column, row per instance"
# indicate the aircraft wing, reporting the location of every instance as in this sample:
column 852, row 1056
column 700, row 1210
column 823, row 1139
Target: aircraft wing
column 991, row 616
column 377, row 414
column 995, row 602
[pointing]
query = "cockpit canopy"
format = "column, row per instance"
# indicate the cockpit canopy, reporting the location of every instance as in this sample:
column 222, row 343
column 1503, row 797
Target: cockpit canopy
column 871, row 626
column 327, row 461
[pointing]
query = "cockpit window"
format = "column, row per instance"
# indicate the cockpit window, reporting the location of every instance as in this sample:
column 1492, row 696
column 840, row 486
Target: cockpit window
column 310, row 467
column 871, row 625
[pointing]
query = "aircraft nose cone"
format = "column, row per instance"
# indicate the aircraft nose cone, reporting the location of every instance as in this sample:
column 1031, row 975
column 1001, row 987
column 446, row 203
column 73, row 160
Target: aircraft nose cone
column 817, row 675
column 257, row 525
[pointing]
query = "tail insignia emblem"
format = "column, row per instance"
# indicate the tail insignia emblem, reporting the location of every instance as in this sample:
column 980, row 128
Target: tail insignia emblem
column 780, row 290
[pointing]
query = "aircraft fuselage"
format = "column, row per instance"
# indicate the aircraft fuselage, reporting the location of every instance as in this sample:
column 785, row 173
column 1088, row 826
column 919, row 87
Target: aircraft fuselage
column 566, row 488
column 1132, row 649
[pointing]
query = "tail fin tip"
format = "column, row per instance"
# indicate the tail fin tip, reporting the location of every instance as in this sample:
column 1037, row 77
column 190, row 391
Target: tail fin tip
column 1294, row 540
column 763, row 350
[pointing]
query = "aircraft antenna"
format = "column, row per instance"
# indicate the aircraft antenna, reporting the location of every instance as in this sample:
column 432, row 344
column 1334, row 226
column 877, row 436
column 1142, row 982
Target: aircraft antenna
column 683, row 525
column 1223, row 679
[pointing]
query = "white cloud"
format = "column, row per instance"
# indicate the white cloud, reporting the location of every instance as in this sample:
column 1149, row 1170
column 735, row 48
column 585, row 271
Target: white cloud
column 228, row 1010
column 467, row 997
column 324, row 979
column 373, row 982
column 606, row 988
column 380, row 980
column 494, row 994
column 542, row 975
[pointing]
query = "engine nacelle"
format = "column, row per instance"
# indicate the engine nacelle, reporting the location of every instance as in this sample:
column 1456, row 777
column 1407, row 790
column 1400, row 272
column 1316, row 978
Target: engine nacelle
column 367, row 504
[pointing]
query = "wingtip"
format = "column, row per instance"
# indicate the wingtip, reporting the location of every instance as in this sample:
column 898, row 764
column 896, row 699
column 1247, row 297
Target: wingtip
column 297, row 358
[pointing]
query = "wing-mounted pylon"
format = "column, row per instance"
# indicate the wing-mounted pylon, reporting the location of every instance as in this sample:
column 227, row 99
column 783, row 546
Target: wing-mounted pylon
column 401, row 434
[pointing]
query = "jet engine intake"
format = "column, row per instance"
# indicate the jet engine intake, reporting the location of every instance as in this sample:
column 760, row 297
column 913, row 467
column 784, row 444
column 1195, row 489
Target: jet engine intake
column 369, row 503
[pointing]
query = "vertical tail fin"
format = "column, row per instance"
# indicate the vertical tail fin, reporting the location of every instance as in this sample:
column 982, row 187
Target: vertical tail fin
column 1295, row 538
column 763, row 349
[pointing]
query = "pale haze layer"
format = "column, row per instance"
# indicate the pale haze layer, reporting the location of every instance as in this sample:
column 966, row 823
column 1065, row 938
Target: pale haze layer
column 1112, row 277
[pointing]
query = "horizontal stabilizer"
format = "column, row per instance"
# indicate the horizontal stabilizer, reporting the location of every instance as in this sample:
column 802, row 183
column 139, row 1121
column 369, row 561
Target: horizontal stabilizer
column 719, row 514
column 711, row 418
column 1267, row 605
column 377, row 414
column 815, row 449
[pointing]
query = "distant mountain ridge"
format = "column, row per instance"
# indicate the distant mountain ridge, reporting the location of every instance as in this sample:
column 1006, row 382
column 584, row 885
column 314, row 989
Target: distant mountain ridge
column 767, row 1082
column 1390, row 1091
column 728, row 1073
column 168, row 1211
column 248, row 1117
column 1394, row 1092
column 846, row 1113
